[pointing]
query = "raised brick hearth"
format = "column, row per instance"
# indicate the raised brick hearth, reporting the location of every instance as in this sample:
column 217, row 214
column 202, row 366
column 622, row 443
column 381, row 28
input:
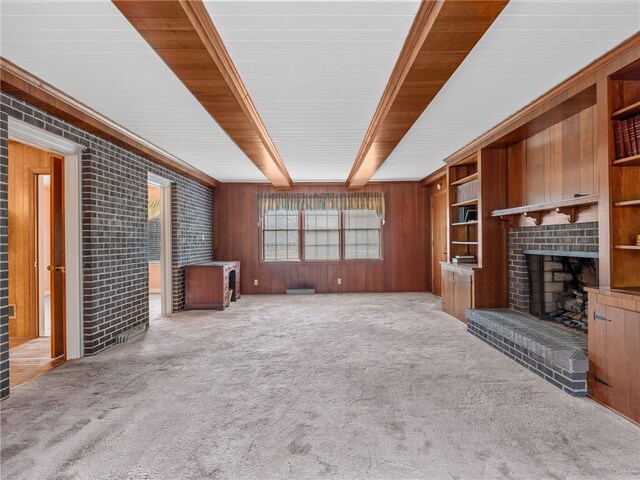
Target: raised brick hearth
column 551, row 351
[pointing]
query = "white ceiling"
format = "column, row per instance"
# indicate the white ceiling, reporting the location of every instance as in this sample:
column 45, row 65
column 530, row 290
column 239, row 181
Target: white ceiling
column 315, row 71
column 90, row 51
column 531, row 47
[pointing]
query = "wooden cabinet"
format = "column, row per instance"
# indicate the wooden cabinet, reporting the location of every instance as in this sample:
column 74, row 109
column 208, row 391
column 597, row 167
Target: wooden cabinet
column 614, row 351
column 448, row 303
column 457, row 290
column 211, row 285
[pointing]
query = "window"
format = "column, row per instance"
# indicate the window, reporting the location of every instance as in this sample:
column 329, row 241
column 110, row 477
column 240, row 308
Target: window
column 327, row 235
column 322, row 235
column 281, row 235
column 361, row 235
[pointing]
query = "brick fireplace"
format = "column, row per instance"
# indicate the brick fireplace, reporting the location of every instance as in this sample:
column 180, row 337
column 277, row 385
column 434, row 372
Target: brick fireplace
column 569, row 240
column 551, row 351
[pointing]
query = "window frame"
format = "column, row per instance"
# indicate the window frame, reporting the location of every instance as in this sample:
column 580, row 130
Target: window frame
column 263, row 244
column 343, row 231
column 301, row 245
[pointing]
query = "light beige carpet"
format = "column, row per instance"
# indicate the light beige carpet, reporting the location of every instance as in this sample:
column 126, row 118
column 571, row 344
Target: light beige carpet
column 325, row 386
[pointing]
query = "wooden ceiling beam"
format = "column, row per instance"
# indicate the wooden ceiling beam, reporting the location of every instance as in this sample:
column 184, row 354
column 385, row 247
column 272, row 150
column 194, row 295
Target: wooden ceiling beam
column 24, row 86
column 184, row 36
column 442, row 35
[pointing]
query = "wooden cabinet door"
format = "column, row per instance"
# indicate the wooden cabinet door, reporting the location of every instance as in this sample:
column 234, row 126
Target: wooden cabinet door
column 616, row 374
column 598, row 352
column 448, row 301
column 614, row 359
column 632, row 348
column 623, row 361
column 462, row 295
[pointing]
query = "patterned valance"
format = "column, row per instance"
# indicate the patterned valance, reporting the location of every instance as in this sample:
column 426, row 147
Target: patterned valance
column 321, row 201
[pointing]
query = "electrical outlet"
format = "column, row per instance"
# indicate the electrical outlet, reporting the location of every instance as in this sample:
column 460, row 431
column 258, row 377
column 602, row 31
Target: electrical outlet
column 339, row 281
column 255, row 281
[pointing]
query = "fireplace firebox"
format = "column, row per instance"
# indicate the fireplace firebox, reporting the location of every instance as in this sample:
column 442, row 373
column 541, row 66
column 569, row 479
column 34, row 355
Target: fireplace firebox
column 557, row 288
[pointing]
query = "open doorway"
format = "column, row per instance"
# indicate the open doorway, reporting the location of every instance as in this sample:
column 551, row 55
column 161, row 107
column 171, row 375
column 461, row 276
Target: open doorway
column 153, row 251
column 159, row 246
column 36, row 257
column 43, row 182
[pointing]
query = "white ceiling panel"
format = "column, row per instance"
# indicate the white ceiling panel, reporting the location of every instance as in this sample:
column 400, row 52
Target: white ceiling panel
column 316, row 71
column 531, row 47
column 90, row 51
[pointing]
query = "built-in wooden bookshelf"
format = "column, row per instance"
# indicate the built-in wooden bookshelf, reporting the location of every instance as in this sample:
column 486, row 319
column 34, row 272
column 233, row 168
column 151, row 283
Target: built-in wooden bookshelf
column 624, row 177
column 463, row 201
column 555, row 162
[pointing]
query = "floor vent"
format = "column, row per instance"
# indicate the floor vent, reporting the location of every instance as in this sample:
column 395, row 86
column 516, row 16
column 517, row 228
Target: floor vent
column 132, row 333
column 301, row 291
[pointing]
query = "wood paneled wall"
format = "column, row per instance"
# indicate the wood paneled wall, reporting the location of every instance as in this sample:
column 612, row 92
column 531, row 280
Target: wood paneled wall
column 405, row 266
column 554, row 164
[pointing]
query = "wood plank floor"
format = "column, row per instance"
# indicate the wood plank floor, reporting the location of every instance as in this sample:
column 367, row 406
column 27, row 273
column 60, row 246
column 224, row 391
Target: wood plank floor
column 29, row 358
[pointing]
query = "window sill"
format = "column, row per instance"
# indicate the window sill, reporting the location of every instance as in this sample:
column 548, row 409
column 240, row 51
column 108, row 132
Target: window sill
column 321, row 262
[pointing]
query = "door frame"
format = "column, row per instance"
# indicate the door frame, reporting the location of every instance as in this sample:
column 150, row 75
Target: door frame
column 436, row 271
column 166, row 245
column 27, row 134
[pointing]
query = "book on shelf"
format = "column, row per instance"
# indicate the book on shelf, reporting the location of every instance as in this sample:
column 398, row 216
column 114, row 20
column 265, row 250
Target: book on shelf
column 467, row 214
column 467, row 191
column 617, row 135
column 626, row 135
column 636, row 126
column 633, row 136
column 464, row 259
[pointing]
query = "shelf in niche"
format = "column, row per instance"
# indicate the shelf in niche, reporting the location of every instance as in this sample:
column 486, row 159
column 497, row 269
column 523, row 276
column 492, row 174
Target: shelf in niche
column 459, row 224
column 626, row 111
column 628, row 203
column 465, row 180
column 628, row 162
column 627, row 247
column 464, row 204
column 468, row 243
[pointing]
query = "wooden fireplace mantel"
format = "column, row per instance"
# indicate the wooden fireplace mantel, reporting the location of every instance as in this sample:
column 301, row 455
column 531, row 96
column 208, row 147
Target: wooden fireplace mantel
column 569, row 207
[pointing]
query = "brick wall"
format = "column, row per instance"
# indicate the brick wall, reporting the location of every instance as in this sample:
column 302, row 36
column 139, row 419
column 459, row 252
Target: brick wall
column 4, row 260
column 114, row 231
column 562, row 239
column 154, row 240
